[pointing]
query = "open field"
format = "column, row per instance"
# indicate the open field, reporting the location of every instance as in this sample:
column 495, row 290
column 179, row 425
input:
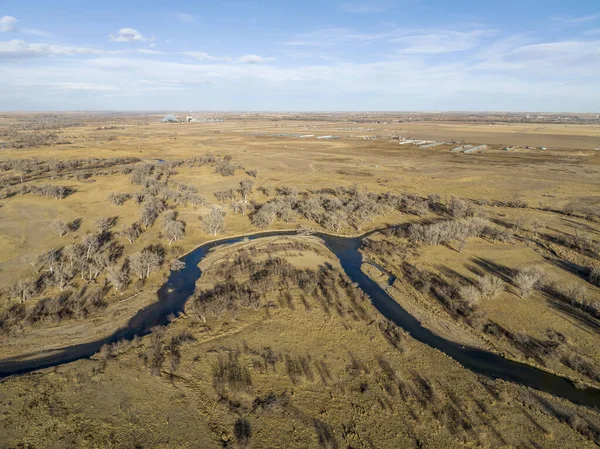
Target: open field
column 526, row 221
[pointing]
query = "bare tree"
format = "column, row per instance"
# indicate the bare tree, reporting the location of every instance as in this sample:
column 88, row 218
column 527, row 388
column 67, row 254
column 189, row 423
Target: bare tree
column 92, row 244
column 520, row 223
column 238, row 207
column 246, row 189
column 535, row 226
column 118, row 198
column 155, row 354
column 470, row 295
column 173, row 355
column 118, row 277
column 49, row 260
column 61, row 276
column 23, row 289
column 131, row 233
column 529, row 279
column 214, row 221
column 144, row 262
column 174, row 230
column 177, row 265
column 60, row 227
column 491, row 286
column 103, row 224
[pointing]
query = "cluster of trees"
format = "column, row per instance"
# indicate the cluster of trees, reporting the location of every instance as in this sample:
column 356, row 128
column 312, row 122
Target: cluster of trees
column 32, row 168
column 225, row 167
column 276, row 275
column 214, row 221
column 77, row 303
column 458, row 231
column 95, row 255
column 44, row 190
column 160, row 350
column 333, row 209
column 173, row 229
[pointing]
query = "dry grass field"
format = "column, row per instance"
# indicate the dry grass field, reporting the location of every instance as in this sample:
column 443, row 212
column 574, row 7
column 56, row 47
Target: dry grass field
column 288, row 371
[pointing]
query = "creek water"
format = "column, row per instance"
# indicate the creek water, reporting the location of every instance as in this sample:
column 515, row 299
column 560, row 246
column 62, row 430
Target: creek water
column 181, row 284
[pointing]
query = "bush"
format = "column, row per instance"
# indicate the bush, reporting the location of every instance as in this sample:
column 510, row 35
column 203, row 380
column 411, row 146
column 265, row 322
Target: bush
column 529, row 279
column 490, row 286
column 470, row 295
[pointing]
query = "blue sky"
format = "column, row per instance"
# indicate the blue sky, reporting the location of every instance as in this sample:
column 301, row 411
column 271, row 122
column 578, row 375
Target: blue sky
column 402, row 55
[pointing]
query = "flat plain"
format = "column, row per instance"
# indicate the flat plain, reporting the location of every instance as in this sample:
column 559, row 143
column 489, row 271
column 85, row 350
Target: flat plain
column 496, row 249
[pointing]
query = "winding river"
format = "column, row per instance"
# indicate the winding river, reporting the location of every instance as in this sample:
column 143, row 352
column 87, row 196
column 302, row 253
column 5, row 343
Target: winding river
column 181, row 285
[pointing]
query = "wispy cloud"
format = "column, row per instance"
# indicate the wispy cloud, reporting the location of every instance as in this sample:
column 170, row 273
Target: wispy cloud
column 440, row 42
column 7, row 23
column 36, row 32
column 245, row 59
column 584, row 19
column 185, row 18
column 128, row 35
column 19, row 49
column 333, row 36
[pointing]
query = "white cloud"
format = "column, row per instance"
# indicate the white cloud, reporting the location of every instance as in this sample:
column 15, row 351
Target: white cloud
column 7, row 23
column 440, row 42
column 36, row 32
column 18, row 49
column 333, row 36
column 185, row 18
column 246, row 59
column 128, row 35
column 254, row 59
column 584, row 19
column 558, row 60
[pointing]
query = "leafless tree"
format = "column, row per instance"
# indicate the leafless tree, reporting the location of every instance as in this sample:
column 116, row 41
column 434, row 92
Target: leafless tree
column 91, row 243
column 266, row 190
column 23, row 289
column 177, row 265
column 238, row 207
column 61, row 276
column 491, row 286
column 144, row 262
column 460, row 208
column 253, row 173
column 173, row 355
column 155, row 354
column 264, row 217
column 174, row 230
column 49, row 260
column 214, row 221
column 535, row 226
column 118, row 277
column 529, row 279
column 131, row 233
column 246, row 188
column 225, row 168
column 577, row 294
column 118, row 198
column 60, row 227
column 520, row 223
column 470, row 295
column 103, row 224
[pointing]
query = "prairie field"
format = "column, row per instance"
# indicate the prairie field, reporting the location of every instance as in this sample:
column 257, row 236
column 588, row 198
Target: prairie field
column 277, row 347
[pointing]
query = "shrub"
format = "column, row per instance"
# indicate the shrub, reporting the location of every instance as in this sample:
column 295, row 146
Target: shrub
column 529, row 279
column 470, row 294
column 490, row 286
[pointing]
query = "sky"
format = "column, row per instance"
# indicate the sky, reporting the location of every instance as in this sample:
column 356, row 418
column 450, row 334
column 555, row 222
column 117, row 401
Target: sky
column 346, row 55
